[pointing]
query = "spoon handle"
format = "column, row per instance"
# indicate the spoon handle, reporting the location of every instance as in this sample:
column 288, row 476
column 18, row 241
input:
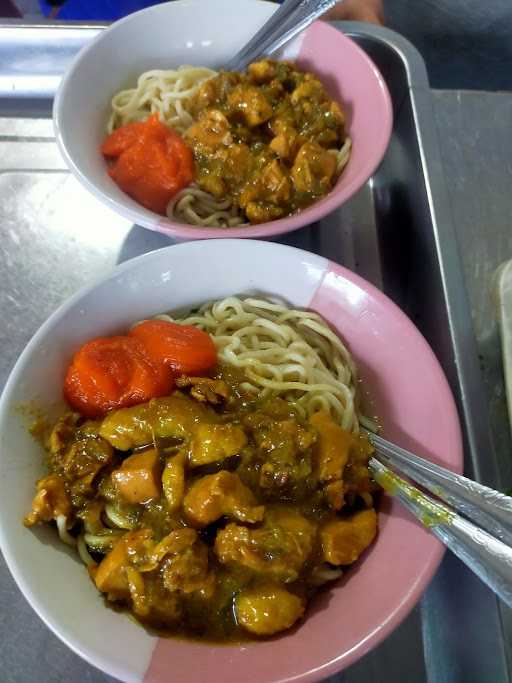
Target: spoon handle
column 290, row 19
column 487, row 556
column 486, row 507
column 278, row 18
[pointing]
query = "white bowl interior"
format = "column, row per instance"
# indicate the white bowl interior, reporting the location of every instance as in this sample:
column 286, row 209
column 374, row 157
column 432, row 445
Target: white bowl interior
column 51, row 577
column 191, row 32
column 208, row 33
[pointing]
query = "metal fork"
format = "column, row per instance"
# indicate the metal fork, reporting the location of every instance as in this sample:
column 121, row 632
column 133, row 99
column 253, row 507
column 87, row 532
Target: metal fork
column 483, row 544
column 292, row 17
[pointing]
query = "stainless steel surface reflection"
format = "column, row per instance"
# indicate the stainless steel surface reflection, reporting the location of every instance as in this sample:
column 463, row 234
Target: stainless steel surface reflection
column 397, row 232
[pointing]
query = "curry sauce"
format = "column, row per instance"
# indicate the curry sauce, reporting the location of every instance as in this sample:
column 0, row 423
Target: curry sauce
column 267, row 138
column 206, row 514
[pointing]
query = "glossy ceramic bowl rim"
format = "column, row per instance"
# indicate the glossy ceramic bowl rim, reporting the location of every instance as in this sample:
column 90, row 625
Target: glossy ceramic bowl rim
column 310, row 215
column 375, row 637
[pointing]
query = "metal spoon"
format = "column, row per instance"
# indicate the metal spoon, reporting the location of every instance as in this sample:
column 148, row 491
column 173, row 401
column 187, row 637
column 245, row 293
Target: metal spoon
column 292, row 17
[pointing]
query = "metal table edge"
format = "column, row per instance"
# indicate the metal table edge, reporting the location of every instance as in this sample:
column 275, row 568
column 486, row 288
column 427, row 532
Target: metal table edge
column 466, row 377
column 468, row 373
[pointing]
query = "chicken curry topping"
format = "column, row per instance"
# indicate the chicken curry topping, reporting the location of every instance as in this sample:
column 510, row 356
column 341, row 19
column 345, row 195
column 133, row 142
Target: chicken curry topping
column 206, row 514
column 269, row 138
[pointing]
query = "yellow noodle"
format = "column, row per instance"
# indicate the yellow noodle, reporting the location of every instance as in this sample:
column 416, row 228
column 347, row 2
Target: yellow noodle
column 283, row 352
column 197, row 207
column 84, row 553
column 168, row 93
column 164, row 92
column 116, row 519
column 65, row 537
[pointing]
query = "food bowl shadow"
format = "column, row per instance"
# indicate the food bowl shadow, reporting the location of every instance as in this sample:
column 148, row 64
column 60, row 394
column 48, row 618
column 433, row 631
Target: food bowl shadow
column 140, row 241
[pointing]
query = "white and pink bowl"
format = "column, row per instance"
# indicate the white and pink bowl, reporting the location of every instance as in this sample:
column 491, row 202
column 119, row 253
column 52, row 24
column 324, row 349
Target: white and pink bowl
column 208, row 33
column 408, row 391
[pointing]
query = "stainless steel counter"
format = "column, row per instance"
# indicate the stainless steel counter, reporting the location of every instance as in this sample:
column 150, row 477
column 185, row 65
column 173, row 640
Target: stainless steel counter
column 53, row 241
column 476, row 147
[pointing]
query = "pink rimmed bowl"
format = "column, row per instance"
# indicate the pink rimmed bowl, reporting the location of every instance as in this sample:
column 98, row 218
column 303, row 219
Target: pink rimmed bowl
column 208, row 33
column 406, row 389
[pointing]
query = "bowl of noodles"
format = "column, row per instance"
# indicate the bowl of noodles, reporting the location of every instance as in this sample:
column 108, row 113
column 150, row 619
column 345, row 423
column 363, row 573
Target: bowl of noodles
column 196, row 486
column 149, row 122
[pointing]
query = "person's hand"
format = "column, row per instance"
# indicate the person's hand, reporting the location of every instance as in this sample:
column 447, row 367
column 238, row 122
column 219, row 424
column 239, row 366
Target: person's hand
column 357, row 10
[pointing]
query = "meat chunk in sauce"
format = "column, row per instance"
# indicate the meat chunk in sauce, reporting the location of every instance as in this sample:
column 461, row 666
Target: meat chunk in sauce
column 162, row 608
column 51, row 501
column 79, row 455
column 313, row 169
column 251, row 104
column 267, row 608
column 273, row 186
column 205, row 389
column 343, row 540
column 173, row 416
column 331, row 448
column 331, row 453
column 218, row 495
column 131, row 550
column 284, row 449
column 214, row 443
column 81, row 464
column 185, row 568
column 279, row 549
column 275, row 125
column 262, row 72
column 63, row 433
column 145, row 573
column 210, row 132
column 286, row 142
column 138, row 478
column 173, row 480
column 211, row 554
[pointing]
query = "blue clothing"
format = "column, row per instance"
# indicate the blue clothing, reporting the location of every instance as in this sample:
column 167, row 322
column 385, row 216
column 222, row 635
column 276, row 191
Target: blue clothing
column 97, row 10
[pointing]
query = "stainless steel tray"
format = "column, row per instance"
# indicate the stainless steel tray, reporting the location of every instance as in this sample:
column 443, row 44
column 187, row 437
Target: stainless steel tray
column 397, row 232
